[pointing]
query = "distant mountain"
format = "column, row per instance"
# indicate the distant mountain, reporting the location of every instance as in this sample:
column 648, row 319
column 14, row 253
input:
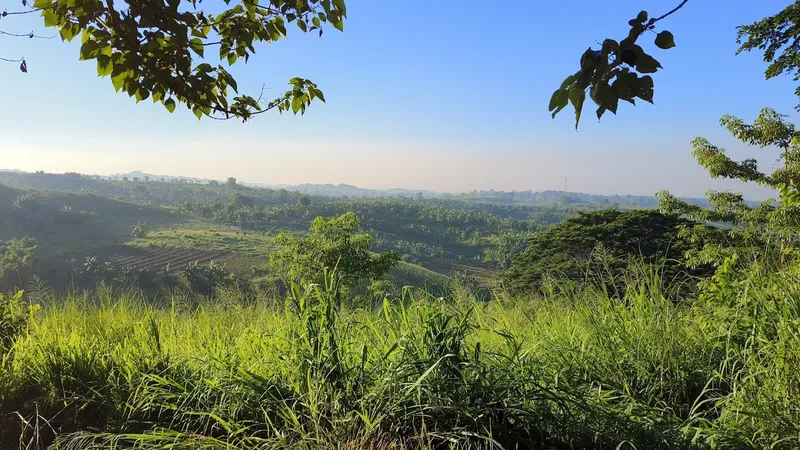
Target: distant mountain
column 613, row 201
column 142, row 175
column 330, row 190
column 347, row 190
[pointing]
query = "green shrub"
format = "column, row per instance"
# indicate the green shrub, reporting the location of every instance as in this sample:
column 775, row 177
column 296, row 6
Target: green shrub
column 204, row 279
column 15, row 315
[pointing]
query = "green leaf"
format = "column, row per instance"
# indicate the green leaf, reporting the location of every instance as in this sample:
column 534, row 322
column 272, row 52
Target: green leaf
column 132, row 86
column 644, row 88
column 104, row 66
column 302, row 25
column 624, row 86
column 559, row 100
column 628, row 57
column 644, row 62
column 141, row 94
column 232, row 56
column 69, row 30
column 610, row 46
column 610, row 101
column 197, row 112
column 339, row 4
column 597, row 93
column 41, row 4
column 297, row 103
column 316, row 21
column 318, row 93
column 50, row 18
column 204, row 68
column 280, row 27
column 231, row 81
column 569, row 80
column 197, row 46
column 577, row 96
column 554, row 100
column 642, row 16
column 665, row 40
column 87, row 50
column 119, row 80
column 169, row 104
column 588, row 60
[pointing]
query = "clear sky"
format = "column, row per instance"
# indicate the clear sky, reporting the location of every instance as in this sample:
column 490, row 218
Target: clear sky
column 443, row 95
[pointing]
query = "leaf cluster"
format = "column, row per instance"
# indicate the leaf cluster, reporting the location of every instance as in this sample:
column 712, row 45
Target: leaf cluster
column 771, row 224
column 158, row 49
column 778, row 37
column 618, row 70
column 601, row 244
column 333, row 244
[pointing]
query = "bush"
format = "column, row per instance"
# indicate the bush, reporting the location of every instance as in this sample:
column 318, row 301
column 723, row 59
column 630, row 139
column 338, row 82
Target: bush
column 17, row 259
column 203, row 279
column 140, row 230
column 15, row 316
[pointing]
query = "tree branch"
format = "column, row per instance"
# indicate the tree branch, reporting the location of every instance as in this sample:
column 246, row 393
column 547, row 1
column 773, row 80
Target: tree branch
column 652, row 21
column 17, row 13
column 27, row 35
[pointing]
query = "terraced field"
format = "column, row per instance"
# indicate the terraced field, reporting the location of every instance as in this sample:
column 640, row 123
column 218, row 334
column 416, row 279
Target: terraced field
column 157, row 258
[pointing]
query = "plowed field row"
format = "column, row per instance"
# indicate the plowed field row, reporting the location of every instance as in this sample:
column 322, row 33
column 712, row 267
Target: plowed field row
column 157, row 258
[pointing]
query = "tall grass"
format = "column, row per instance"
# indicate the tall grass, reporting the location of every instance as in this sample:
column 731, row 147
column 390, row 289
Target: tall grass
column 577, row 370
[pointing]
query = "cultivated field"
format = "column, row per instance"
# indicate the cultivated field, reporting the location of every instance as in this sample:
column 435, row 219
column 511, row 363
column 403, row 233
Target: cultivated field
column 158, row 258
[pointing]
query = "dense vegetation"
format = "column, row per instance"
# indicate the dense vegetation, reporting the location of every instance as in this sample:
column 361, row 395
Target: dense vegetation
column 437, row 233
column 600, row 246
column 576, row 371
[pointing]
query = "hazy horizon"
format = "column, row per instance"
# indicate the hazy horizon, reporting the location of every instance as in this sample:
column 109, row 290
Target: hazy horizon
column 415, row 104
column 387, row 187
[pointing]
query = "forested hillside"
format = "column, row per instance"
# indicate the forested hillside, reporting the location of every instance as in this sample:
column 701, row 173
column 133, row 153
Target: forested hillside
column 440, row 233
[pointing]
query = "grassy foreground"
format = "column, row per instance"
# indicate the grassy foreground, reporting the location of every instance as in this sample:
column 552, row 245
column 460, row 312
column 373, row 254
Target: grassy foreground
column 108, row 370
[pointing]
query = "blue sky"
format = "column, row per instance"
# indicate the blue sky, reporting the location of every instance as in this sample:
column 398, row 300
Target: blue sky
column 446, row 95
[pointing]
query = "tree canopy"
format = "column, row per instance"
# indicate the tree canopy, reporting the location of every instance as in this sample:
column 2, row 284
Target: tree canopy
column 172, row 51
column 158, row 50
column 334, row 244
column 769, row 226
column 618, row 70
column 600, row 246
column 777, row 36
column 621, row 70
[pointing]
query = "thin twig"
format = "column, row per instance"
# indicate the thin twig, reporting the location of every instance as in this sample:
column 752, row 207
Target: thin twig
column 27, row 35
column 12, row 60
column 647, row 27
column 652, row 21
column 16, row 13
